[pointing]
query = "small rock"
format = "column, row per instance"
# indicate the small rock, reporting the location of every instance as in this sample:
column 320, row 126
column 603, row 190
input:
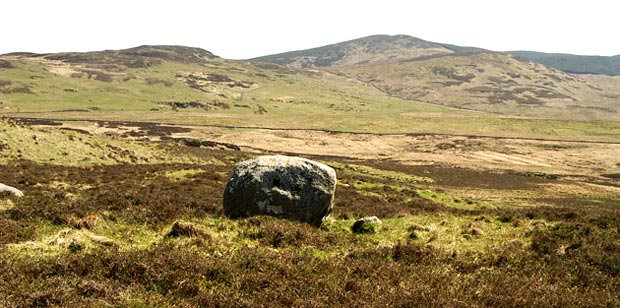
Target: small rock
column 476, row 231
column 184, row 229
column 366, row 225
column 415, row 227
column 12, row 190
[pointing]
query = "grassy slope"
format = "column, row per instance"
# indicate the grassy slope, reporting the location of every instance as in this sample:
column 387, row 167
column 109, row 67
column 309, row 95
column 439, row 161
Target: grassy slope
column 280, row 91
column 279, row 97
column 494, row 82
column 74, row 148
column 466, row 78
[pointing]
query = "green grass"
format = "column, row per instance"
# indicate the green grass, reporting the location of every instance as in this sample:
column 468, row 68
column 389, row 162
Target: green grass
column 594, row 131
column 454, row 201
column 69, row 148
column 183, row 174
column 288, row 99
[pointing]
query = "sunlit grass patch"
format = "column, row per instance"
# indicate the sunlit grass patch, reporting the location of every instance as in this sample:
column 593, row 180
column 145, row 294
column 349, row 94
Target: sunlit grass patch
column 361, row 170
column 185, row 174
column 63, row 240
column 454, row 233
column 59, row 147
column 454, row 201
column 55, row 240
column 6, row 204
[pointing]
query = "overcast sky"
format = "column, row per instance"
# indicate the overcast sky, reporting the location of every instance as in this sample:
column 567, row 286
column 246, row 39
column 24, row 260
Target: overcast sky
column 244, row 29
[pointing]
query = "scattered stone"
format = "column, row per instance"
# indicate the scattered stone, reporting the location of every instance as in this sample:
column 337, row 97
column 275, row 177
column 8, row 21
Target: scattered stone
column 180, row 229
column 416, row 227
column 475, row 231
column 290, row 187
column 16, row 192
column 472, row 231
column 366, row 225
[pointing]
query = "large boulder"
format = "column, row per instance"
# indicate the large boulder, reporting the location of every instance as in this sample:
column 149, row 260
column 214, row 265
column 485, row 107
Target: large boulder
column 290, row 187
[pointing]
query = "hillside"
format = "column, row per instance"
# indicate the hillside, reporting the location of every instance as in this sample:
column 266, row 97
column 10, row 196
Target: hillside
column 384, row 48
column 492, row 92
column 462, row 77
column 138, row 57
column 599, row 65
column 495, row 82
column 191, row 86
column 363, row 51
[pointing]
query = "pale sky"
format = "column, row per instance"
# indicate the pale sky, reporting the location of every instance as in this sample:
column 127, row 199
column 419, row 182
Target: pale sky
column 243, row 29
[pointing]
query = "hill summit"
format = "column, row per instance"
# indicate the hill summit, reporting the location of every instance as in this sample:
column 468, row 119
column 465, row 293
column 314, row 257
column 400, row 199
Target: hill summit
column 363, row 51
column 136, row 57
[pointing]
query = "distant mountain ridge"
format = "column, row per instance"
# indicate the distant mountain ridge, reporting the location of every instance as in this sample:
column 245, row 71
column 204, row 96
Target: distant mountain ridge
column 363, row 51
column 576, row 64
column 385, row 48
column 466, row 77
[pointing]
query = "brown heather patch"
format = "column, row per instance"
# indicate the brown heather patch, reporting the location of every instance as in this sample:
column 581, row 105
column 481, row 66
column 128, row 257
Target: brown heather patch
column 405, row 275
column 568, row 256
